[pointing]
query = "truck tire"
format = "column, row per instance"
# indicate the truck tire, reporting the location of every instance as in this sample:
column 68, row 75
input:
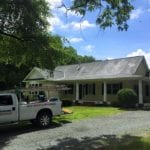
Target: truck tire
column 44, row 119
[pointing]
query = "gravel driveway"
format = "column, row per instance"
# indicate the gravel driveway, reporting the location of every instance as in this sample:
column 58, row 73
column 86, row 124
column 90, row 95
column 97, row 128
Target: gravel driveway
column 75, row 135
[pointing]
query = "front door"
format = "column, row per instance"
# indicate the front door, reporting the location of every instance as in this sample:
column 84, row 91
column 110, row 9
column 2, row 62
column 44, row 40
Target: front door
column 8, row 109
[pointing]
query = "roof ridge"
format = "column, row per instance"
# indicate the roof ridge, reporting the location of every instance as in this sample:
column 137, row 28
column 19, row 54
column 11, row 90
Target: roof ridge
column 100, row 61
column 122, row 58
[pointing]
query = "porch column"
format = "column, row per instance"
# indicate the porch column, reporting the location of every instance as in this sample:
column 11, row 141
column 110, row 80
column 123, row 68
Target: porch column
column 105, row 92
column 140, row 93
column 77, row 91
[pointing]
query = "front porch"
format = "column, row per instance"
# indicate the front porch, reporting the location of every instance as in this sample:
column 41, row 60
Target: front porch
column 104, row 92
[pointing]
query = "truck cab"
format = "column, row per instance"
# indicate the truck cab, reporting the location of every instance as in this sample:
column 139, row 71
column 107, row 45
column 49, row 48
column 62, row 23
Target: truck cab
column 8, row 108
column 40, row 113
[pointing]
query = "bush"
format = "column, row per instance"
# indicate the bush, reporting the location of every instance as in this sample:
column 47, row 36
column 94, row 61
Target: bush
column 127, row 98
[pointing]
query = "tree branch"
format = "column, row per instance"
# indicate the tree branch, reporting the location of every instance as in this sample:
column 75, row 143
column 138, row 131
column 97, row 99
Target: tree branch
column 11, row 35
column 16, row 37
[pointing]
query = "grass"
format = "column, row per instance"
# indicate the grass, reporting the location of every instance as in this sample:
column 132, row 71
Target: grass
column 82, row 112
column 130, row 143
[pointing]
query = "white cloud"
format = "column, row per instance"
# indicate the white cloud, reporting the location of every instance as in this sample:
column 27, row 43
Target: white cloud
column 83, row 25
column 135, row 14
column 89, row 48
column 109, row 58
column 79, row 25
column 141, row 52
column 54, row 21
column 58, row 11
column 53, row 4
column 75, row 40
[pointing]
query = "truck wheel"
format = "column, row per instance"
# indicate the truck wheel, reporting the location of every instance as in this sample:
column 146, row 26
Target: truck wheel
column 44, row 119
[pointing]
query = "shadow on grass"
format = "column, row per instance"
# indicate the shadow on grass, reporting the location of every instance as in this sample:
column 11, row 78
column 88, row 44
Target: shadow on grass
column 105, row 142
column 134, row 109
column 9, row 132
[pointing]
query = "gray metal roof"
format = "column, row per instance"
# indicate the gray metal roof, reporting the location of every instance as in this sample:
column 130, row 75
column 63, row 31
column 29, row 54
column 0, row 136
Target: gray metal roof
column 116, row 68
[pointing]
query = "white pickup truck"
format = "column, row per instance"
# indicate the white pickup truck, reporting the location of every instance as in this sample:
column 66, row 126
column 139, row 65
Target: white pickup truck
column 40, row 113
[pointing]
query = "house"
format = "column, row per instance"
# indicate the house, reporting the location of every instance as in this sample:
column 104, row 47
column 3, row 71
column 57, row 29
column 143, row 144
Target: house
column 97, row 82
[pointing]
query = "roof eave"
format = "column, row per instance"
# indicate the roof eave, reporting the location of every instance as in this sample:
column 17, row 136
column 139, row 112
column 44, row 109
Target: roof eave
column 133, row 77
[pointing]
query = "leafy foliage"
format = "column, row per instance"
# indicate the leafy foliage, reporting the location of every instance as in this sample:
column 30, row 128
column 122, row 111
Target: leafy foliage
column 110, row 12
column 23, row 19
column 11, row 75
column 127, row 98
column 25, row 41
column 23, row 32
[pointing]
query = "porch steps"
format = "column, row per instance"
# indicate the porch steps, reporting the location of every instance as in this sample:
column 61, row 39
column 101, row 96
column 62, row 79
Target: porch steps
column 146, row 106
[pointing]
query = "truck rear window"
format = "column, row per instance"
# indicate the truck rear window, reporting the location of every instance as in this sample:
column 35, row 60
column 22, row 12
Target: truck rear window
column 6, row 100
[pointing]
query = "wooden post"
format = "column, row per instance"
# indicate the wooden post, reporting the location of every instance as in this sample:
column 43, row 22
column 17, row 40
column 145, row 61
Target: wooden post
column 77, row 91
column 140, row 93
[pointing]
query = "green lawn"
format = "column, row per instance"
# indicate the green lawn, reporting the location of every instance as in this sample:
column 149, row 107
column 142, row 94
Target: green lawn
column 139, row 143
column 127, row 142
column 81, row 112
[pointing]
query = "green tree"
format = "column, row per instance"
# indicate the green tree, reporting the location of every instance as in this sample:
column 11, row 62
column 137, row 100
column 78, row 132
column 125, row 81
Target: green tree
column 23, row 32
column 84, row 59
column 109, row 12
column 23, row 19
column 69, row 56
column 25, row 41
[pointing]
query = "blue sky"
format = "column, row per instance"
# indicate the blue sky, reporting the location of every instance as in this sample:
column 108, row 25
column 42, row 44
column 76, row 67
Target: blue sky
column 89, row 39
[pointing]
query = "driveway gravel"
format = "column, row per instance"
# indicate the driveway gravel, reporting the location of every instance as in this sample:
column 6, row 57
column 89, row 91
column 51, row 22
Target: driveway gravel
column 64, row 135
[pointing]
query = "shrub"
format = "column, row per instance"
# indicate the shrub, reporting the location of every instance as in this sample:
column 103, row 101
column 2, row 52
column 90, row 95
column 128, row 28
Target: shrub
column 127, row 98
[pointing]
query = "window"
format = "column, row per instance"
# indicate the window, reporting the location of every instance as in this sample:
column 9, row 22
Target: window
column 112, row 88
column 40, row 85
column 36, row 93
column 109, row 89
column 6, row 100
column 84, row 90
column 116, row 88
column 93, row 89
column 36, row 85
column 88, row 89
column 136, row 89
column 147, row 74
column 147, row 90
